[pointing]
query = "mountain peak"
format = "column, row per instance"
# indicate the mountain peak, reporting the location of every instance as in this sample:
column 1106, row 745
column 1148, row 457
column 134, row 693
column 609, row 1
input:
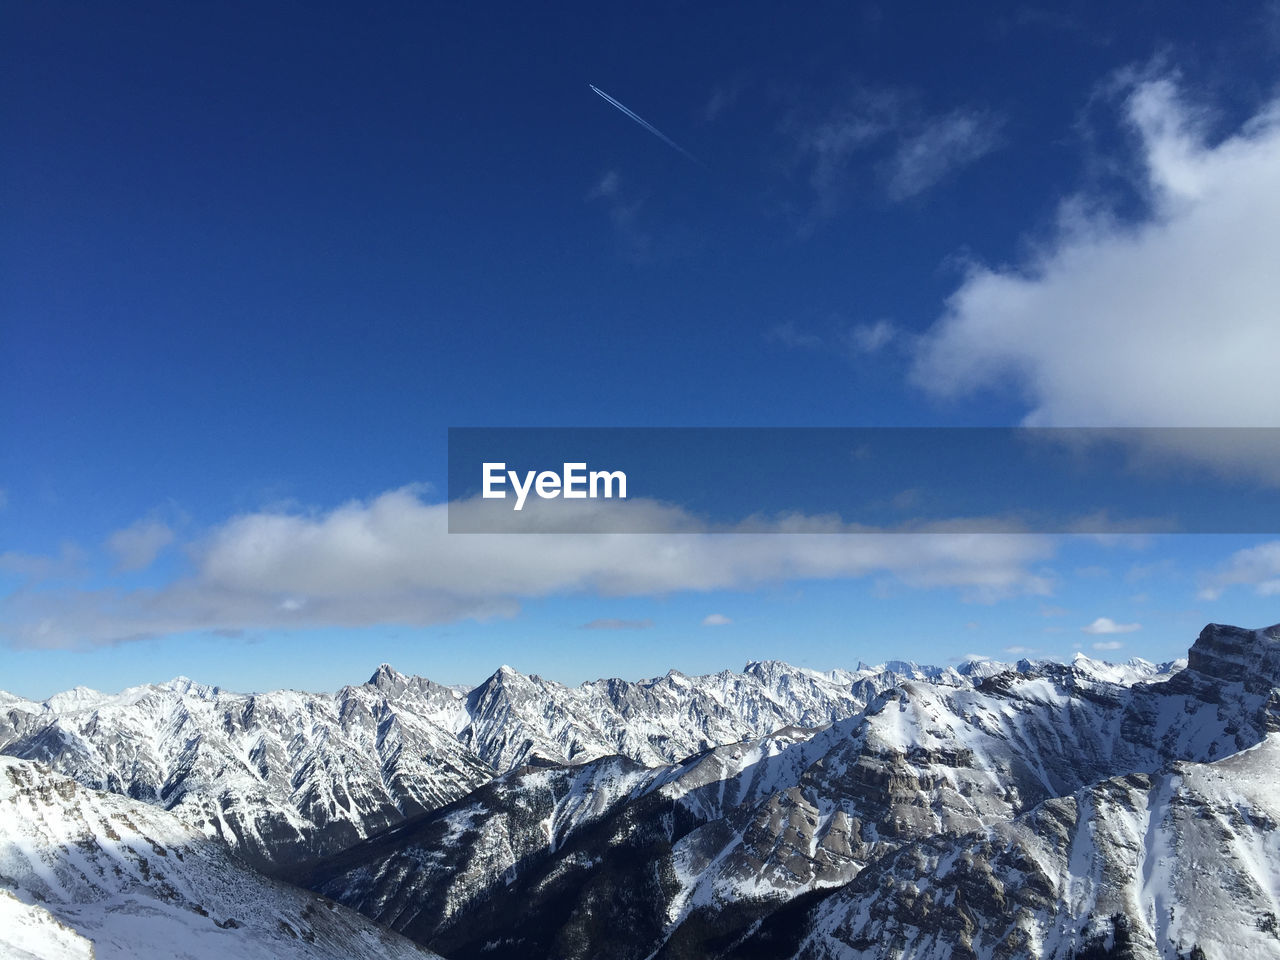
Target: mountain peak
column 387, row 676
column 181, row 685
column 77, row 698
column 1238, row 655
column 765, row 668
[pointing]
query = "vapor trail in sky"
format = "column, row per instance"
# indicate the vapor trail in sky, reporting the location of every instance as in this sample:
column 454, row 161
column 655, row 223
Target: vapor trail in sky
column 646, row 124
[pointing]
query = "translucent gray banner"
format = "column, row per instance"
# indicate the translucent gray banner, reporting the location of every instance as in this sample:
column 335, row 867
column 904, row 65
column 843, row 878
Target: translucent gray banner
column 863, row 480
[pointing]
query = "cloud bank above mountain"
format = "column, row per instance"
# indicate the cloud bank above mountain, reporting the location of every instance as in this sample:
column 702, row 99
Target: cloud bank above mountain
column 391, row 560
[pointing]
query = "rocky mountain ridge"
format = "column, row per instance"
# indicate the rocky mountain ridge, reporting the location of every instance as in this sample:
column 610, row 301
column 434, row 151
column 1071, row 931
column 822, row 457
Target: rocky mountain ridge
column 823, row 842
column 287, row 776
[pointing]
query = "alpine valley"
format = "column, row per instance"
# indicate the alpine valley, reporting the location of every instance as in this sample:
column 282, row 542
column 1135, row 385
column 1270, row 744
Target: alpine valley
column 989, row 810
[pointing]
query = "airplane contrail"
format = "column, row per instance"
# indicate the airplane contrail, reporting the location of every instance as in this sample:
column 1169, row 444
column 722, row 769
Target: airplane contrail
column 646, row 124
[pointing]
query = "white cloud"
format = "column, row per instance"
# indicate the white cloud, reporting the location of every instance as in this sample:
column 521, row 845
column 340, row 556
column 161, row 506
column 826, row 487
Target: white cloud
column 1108, row 645
column 37, row 568
column 1257, row 567
column 1105, row 625
column 910, row 149
column 856, row 340
column 136, row 547
column 606, row 186
column 1018, row 650
column 610, row 623
column 716, row 620
column 1170, row 322
column 943, row 144
column 392, row 560
column 642, row 233
column 722, row 99
column 790, row 335
column 830, row 145
column 870, row 337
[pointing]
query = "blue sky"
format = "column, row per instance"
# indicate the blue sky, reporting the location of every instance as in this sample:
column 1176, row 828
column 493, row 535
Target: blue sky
column 259, row 257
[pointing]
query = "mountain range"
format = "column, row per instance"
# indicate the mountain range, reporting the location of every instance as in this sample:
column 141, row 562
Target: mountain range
column 986, row 810
column 286, row 776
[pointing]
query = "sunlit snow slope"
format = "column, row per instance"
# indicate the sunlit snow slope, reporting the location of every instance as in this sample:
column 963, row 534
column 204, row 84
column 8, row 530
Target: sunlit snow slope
column 84, row 873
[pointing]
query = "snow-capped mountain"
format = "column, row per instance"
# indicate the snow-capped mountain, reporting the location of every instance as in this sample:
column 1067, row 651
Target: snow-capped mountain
column 527, row 818
column 281, row 776
column 515, row 719
column 790, row 844
column 85, row 874
column 1140, row 866
column 288, row 776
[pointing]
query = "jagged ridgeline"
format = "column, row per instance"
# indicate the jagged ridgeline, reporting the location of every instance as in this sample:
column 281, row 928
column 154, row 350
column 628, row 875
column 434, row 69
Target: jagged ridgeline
column 289, row 776
column 989, row 811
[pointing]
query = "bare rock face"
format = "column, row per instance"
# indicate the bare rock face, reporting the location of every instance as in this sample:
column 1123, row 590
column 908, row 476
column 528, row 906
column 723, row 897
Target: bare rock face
column 1235, row 655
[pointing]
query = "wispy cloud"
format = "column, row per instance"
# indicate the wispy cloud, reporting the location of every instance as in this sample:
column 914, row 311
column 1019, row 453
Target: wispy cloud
column 716, row 620
column 642, row 236
column 829, row 145
column 1105, row 625
column 722, row 99
column 38, row 568
column 853, row 340
column 609, row 623
column 1257, row 567
column 870, row 337
column 941, row 145
column 136, row 547
column 1108, row 645
column 606, row 186
column 790, row 335
column 887, row 140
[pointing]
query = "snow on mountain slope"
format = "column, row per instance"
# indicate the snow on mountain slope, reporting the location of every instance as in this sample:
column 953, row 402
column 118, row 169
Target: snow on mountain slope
column 688, row 856
column 281, row 776
column 30, row 932
column 288, row 776
column 1135, row 670
column 516, row 719
column 1140, row 866
column 78, row 865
